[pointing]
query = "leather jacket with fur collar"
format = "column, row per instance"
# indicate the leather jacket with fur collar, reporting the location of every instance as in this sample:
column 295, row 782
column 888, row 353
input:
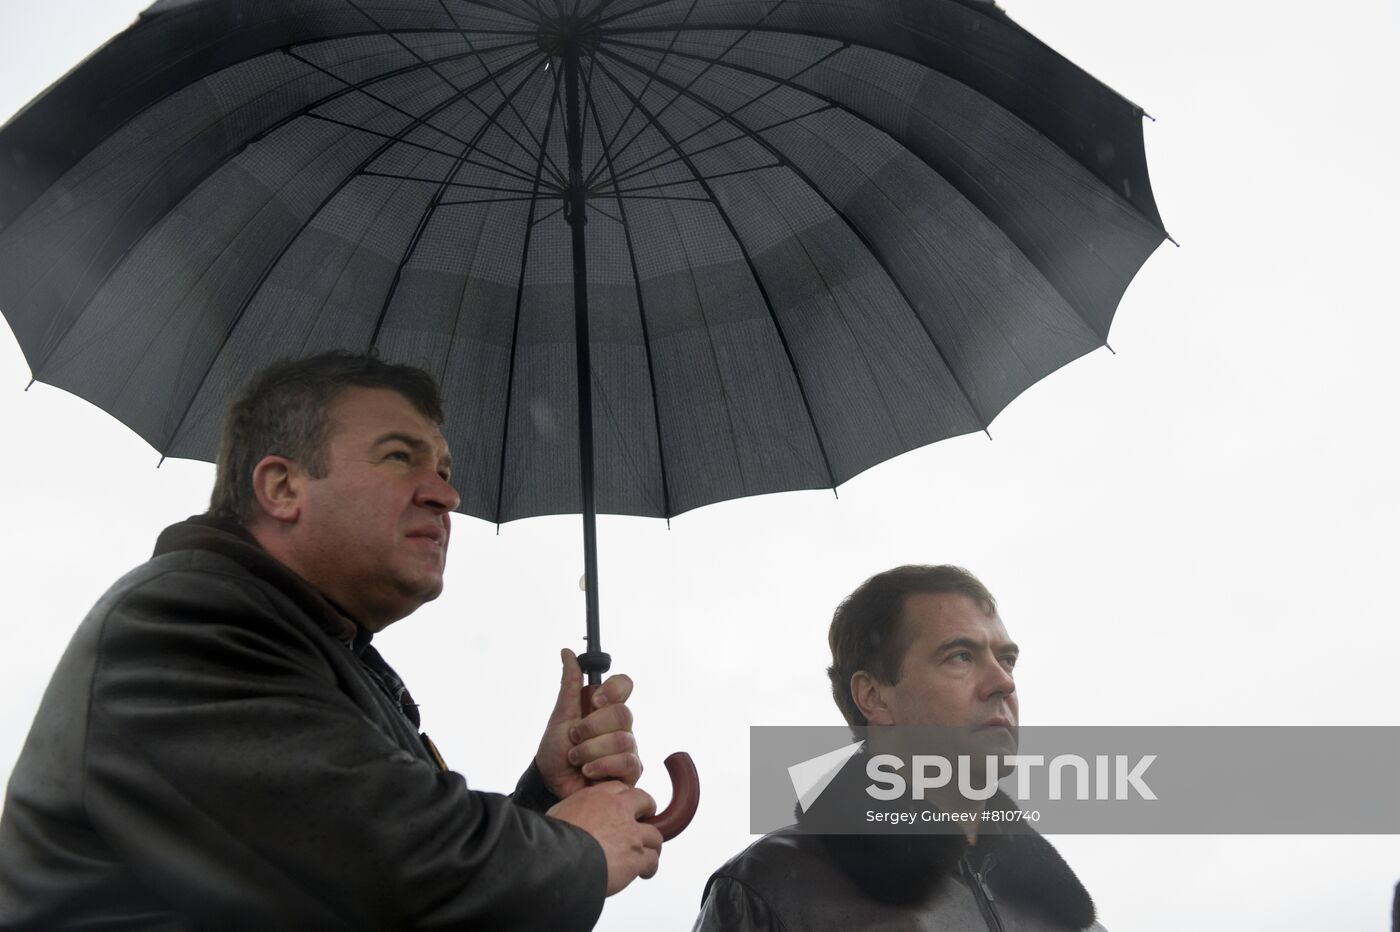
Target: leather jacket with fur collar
column 793, row 881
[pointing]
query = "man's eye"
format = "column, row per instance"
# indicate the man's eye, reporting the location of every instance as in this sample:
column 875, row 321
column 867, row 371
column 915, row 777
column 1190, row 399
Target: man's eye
column 402, row 455
column 962, row 656
column 1010, row 661
column 445, row 475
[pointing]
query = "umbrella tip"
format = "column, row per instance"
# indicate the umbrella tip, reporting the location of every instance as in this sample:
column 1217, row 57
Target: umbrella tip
column 668, row 522
column 835, row 493
column 987, row 432
column 162, row 461
column 1172, row 241
column 30, row 385
column 1109, row 347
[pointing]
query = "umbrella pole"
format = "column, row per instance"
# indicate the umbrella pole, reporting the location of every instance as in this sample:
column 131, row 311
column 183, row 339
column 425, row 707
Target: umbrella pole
column 685, row 782
column 593, row 661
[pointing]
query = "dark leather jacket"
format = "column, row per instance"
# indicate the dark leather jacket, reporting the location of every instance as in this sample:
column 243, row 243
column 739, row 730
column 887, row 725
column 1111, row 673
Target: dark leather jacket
column 221, row 748
column 800, row 881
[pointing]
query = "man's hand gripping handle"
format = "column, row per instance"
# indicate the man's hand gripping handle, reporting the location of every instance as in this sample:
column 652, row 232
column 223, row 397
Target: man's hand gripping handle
column 685, row 785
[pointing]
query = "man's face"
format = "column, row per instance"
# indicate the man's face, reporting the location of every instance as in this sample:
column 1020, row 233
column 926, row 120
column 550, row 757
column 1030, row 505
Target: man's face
column 372, row 532
column 956, row 671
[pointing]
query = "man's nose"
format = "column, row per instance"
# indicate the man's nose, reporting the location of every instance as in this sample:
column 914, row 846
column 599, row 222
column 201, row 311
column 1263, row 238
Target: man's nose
column 998, row 682
column 437, row 493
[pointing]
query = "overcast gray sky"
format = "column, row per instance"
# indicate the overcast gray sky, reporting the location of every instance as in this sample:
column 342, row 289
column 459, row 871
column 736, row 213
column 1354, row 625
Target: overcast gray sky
column 1198, row 530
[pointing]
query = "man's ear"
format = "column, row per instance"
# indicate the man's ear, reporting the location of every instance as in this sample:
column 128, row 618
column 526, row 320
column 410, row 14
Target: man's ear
column 278, row 484
column 869, row 696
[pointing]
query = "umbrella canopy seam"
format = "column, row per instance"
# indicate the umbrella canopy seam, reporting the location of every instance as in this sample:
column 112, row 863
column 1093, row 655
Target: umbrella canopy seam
column 951, row 178
column 982, row 421
column 272, row 265
column 758, row 281
column 194, row 184
column 428, row 212
column 641, row 318
column 515, row 322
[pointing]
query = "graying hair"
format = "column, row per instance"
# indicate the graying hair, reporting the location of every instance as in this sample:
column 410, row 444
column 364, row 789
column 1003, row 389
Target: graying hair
column 284, row 411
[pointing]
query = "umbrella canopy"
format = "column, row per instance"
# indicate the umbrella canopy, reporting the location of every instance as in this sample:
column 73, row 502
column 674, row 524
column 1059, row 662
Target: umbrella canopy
column 818, row 233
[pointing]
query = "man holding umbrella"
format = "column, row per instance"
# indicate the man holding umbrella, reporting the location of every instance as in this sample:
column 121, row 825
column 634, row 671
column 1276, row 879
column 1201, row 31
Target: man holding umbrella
column 919, row 646
column 222, row 746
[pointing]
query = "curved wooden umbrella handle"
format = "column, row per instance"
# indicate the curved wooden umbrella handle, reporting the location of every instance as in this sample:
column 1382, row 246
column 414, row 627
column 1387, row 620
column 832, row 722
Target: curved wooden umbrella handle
column 685, row 797
column 685, row 785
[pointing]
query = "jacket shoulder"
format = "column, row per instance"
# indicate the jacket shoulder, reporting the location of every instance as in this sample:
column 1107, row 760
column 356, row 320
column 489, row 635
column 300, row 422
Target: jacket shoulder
column 770, row 886
column 199, row 593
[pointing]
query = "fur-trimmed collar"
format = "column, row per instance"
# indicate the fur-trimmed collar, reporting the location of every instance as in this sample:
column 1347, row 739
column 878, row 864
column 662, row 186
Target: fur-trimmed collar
column 1019, row 865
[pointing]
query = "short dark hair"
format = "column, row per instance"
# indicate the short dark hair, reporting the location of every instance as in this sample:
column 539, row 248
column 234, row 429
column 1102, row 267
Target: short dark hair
column 284, row 410
column 867, row 632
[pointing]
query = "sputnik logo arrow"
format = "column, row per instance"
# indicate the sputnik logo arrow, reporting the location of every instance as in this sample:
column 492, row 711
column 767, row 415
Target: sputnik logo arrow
column 812, row 776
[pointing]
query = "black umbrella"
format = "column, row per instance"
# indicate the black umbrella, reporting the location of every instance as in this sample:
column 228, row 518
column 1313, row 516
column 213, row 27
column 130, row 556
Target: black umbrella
column 688, row 250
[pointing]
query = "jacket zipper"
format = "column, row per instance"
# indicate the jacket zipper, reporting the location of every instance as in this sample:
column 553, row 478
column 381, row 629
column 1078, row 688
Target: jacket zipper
column 982, row 894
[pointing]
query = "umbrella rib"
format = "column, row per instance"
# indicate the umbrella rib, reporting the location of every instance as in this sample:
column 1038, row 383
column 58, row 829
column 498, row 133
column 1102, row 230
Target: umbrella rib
column 486, row 200
column 604, row 20
column 268, row 269
column 519, row 299
column 604, row 213
column 416, row 145
column 524, row 124
column 865, row 241
column 640, row 168
column 543, row 217
column 656, row 69
column 463, row 94
column 688, row 181
column 718, row 60
column 382, row 135
column 362, row 85
column 492, row 6
column 450, row 184
column 603, row 5
column 758, row 281
column 646, row 335
column 432, row 206
column 412, row 31
column 669, row 198
column 592, row 173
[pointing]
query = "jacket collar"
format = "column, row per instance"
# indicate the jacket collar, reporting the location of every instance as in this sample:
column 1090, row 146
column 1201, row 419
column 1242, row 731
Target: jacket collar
column 1018, row 865
column 231, row 539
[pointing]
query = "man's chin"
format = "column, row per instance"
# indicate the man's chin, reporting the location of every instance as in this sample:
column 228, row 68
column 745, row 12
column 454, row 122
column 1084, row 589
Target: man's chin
column 430, row 590
column 414, row 594
column 998, row 739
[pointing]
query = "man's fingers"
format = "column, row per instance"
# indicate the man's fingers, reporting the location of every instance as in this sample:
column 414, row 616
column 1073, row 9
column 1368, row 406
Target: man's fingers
column 607, row 720
column 570, row 682
column 610, row 812
column 615, row 689
column 573, row 673
column 626, row 768
column 651, row 852
column 604, row 746
column 642, row 806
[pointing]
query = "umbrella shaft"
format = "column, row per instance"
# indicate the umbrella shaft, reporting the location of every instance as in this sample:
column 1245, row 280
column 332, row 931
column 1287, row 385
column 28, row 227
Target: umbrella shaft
column 594, row 662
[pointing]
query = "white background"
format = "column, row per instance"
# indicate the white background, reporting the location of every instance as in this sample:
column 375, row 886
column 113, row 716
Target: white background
column 1198, row 530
